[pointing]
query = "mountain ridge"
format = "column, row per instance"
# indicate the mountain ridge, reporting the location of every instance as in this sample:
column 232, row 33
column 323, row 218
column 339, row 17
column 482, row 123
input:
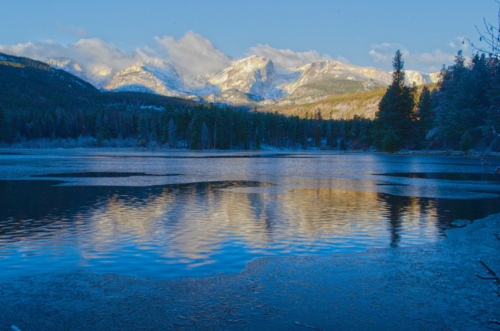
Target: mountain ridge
column 31, row 85
column 253, row 81
column 337, row 107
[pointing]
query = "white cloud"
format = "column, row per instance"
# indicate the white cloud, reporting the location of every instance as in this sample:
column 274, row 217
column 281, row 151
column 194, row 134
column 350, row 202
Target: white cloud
column 71, row 29
column 464, row 45
column 428, row 61
column 342, row 59
column 383, row 53
column 99, row 52
column 437, row 56
column 286, row 58
column 89, row 53
column 379, row 56
column 460, row 43
column 194, row 55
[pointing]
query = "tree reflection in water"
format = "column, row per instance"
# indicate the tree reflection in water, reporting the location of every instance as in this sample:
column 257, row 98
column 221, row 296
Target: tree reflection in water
column 207, row 226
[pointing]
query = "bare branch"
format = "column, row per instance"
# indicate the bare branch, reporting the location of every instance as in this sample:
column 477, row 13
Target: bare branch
column 496, row 236
column 482, row 277
column 490, row 37
column 495, row 277
column 491, row 272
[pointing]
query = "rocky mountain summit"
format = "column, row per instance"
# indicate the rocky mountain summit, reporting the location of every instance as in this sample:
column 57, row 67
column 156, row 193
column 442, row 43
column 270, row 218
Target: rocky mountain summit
column 253, row 81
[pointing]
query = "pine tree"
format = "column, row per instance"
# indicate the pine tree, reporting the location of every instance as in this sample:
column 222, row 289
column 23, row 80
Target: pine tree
column 463, row 101
column 205, row 138
column 396, row 109
column 466, row 142
column 172, row 133
column 491, row 130
column 4, row 128
column 143, row 134
column 425, row 115
column 195, row 130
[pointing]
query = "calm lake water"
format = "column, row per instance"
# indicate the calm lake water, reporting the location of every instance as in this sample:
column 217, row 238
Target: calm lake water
column 169, row 215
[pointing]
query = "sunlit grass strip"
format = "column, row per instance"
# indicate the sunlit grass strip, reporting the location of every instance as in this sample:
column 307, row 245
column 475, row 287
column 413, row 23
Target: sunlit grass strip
column 12, row 64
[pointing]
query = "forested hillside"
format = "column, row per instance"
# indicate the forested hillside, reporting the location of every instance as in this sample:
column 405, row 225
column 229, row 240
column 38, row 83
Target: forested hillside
column 461, row 112
column 39, row 102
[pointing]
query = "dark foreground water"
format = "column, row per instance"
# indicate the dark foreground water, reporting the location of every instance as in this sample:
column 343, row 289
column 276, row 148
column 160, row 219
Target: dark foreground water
column 196, row 214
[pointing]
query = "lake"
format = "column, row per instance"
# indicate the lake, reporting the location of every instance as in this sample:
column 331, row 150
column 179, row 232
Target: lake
column 182, row 214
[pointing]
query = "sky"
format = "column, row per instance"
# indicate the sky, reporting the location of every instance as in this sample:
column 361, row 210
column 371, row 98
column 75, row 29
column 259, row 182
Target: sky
column 204, row 36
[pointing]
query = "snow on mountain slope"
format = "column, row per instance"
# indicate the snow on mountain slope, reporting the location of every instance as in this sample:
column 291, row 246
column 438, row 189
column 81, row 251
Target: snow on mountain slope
column 231, row 97
column 336, row 70
column 420, row 78
column 99, row 77
column 319, row 80
column 133, row 88
column 157, row 76
column 255, row 76
column 69, row 66
column 253, row 80
column 161, row 78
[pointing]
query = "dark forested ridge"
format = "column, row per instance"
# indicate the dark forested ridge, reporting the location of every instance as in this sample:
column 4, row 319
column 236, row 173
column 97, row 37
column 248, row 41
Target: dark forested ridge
column 38, row 102
column 28, row 84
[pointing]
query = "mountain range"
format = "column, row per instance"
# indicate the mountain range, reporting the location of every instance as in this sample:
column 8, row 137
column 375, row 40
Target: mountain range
column 252, row 82
column 28, row 85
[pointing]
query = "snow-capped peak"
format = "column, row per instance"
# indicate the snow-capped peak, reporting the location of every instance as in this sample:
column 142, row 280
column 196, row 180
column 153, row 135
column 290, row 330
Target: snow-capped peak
column 99, row 76
column 420, row 78
column 66, row 64
column 253, row 78
column 156, row 76
column 253, row 75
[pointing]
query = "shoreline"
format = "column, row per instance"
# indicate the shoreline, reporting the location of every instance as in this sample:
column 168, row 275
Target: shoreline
column 426, row 287
column 160, row 150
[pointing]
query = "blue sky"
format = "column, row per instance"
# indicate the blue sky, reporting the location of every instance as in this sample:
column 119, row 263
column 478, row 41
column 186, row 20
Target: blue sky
column 362, row 32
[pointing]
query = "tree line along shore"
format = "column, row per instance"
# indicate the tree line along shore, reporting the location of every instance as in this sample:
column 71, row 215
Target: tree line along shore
column 462, row 113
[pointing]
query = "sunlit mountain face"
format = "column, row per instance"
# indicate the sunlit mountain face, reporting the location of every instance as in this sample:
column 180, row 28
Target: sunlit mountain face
column 250, row 81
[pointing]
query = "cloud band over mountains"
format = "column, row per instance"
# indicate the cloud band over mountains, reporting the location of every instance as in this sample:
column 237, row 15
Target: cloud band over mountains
column 195, row 55
column 286, row 58
column 91, row 53
column 433, row 61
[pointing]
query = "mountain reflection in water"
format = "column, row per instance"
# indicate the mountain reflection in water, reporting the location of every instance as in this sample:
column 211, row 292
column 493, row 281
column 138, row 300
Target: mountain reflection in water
column 206, row 227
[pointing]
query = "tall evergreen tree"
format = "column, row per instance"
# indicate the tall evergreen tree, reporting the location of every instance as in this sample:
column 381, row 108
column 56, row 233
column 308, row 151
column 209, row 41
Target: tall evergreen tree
column 205, row 136
column 425, row 115
column 491, row 130
column 4, row 128
column 463, row 101
column 195, row 130
column 396, row 110
column 172, row 133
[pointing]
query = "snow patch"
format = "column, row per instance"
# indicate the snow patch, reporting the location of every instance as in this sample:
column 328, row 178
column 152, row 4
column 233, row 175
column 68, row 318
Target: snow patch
column 152, row 108
column 254, row 78
column 132, row 88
